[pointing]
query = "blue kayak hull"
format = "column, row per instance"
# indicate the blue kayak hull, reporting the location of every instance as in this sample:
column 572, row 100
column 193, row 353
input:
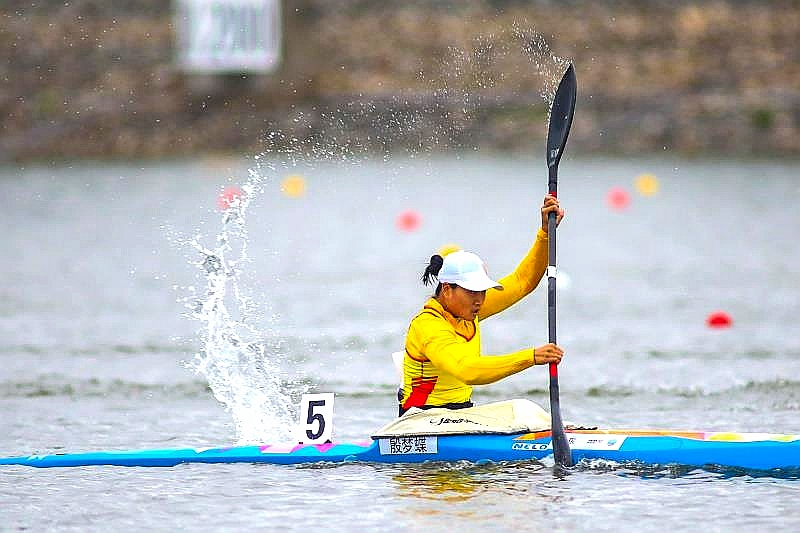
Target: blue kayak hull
column 653, row 447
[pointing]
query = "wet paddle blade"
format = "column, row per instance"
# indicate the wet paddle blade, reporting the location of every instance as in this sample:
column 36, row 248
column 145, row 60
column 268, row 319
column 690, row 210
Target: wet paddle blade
column 561, row 116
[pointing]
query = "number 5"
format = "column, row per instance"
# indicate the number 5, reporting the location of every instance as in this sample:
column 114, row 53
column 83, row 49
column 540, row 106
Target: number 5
column 316, row 418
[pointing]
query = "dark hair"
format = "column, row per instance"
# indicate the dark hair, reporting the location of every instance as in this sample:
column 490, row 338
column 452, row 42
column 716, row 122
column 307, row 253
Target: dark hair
column 432, row 270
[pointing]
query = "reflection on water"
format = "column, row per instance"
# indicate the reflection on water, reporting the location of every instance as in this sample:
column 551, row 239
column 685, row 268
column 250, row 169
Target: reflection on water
column 462, row 481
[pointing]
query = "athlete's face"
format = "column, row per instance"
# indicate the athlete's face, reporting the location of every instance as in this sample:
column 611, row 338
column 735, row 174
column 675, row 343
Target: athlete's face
column 461, row 302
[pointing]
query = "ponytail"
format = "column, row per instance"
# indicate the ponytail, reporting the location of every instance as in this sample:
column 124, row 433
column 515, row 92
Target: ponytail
column 432, row 270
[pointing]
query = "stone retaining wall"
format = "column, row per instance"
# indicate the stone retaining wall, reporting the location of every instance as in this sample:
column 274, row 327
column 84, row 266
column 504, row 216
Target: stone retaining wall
column 93, row 79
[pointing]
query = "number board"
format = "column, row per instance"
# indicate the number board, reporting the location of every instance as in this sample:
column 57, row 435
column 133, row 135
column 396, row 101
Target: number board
column 316, row 418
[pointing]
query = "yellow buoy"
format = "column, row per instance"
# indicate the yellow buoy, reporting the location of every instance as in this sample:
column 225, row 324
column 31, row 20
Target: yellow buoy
column 647, row 184
column 294, row 186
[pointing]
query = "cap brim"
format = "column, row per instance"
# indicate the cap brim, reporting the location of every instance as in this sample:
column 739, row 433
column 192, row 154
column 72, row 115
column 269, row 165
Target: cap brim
column 479, row 283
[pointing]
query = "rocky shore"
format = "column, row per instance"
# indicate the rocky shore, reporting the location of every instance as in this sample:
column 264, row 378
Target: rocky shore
column 92, row 79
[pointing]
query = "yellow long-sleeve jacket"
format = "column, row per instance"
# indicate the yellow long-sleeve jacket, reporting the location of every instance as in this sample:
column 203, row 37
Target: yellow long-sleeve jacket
column 443, row 353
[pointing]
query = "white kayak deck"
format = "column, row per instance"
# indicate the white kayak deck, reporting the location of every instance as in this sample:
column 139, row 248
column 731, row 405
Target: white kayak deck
column 504, row 418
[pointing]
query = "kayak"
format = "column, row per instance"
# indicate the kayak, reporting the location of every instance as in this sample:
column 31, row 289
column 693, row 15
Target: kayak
column 750, row 451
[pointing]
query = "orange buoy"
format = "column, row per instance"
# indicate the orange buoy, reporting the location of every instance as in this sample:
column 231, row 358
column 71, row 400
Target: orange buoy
column 646, row 184
column 294, row 186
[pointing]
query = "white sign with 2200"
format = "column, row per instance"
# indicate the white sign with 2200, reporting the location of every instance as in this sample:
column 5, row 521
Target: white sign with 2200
column 228, row 35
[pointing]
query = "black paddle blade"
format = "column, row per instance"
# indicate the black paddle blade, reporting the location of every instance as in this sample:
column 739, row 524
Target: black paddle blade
column 561, row 116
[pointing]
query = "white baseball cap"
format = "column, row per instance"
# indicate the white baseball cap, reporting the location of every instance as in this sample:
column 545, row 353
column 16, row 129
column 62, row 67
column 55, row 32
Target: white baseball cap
column 466, row 270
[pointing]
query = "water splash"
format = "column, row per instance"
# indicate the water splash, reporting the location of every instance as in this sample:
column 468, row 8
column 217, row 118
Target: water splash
column 239, row 359
column 548, row 65
column 483, row 88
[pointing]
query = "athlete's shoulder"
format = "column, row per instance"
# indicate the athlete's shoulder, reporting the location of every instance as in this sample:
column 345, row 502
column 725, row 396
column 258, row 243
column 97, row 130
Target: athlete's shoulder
column 427, row 317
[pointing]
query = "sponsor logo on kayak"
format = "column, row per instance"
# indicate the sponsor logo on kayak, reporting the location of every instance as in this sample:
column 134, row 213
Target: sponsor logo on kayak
column 408, row 445
column 445, row 420
column 532, row 446
column 592, row 442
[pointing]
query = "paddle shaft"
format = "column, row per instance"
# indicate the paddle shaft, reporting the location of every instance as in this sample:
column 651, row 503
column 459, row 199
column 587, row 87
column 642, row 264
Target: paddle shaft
column 561, row 114
column 551, row 268
column 561, row 450
column 551, row 278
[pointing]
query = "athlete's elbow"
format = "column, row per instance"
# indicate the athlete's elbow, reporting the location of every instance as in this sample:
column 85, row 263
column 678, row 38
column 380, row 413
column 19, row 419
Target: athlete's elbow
column 532, row 282
column 528, row 283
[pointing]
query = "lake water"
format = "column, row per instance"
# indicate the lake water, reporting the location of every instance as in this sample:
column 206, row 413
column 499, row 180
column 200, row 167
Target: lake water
column 108, row 309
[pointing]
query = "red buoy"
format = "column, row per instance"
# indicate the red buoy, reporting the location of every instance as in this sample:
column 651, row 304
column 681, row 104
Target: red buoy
column 408, row 221
column 719, row 319
column 228, row 197
column 618, row 198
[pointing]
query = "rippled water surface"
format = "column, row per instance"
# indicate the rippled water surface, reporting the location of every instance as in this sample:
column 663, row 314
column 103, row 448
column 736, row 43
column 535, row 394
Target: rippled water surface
column 108, row 309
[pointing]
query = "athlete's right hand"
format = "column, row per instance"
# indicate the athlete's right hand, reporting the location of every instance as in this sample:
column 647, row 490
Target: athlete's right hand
column 550, row 205
column 548, row 353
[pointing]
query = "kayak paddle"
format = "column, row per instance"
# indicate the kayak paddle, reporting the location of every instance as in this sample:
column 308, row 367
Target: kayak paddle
column 560, row 121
